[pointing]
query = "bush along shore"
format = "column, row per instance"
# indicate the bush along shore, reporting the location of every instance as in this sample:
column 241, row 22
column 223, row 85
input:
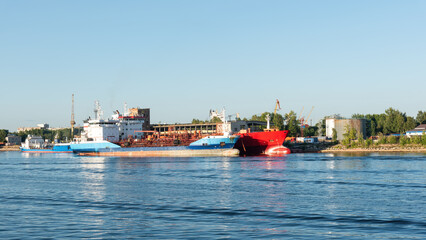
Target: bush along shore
column 381, row 144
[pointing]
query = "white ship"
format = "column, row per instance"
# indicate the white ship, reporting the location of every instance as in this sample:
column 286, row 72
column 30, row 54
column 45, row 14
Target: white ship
column 119, row 127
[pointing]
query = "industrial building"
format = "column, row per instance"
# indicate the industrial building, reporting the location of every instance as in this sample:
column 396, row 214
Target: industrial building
column 340, row 124
column 39, row 126
column 12, row 139
column 208, row 128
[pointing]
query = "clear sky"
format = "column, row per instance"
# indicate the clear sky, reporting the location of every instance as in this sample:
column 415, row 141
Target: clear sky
column 183, row 58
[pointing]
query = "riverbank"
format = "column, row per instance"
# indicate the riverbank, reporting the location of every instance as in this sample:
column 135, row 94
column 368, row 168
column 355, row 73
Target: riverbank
column 9, row 148
column 328, row 147
column 377, row 148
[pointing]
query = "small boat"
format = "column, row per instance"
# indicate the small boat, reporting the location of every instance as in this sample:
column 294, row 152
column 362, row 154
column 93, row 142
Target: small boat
column 208, row 146
column 57, row 148
column 36, row 144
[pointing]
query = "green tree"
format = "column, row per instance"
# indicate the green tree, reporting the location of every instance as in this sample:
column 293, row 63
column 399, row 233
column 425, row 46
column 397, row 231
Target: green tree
column 257, row 118
column 349, row 136
column 196, row 121
column 278, row 121
column 416, row 139
column 392, row 140
column 321, row 125
column 3, row 134
column 421, row 117
column 360, row 140
column 368, row 142
column 292, row 124
column 372, row 128
column 334, row 139
column 215, row 120
column 404, row 140
column 310, row 131
column 409, row 124
column 394, row 121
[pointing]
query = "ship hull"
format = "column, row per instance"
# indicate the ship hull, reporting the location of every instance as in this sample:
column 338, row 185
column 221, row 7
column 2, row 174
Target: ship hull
column 262, row 143
column 29, row 150
column 205, row 147
column 166, row 152
column 59, row 148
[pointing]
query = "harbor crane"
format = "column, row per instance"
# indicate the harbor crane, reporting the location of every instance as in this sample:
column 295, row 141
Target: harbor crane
column 303, row 121
column 72, row 118
column 277, row 107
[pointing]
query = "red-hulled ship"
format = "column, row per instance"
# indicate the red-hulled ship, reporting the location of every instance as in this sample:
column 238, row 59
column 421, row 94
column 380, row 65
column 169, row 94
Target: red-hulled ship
column 269, row 142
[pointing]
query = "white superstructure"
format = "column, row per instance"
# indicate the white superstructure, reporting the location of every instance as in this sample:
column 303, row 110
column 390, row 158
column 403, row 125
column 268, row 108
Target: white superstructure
column 34, row 142
column 119, row 127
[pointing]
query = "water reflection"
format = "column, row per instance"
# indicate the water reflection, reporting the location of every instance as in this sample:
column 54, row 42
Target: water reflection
column 93, row 189
column 94, row 174
column 268, row 163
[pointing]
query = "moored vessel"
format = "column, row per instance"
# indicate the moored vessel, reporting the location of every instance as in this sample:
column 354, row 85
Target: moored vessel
column 208, row 146
column 36, row 144
column 268, row 142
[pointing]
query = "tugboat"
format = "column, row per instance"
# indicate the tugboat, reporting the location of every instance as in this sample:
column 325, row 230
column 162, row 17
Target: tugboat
column 36, row 144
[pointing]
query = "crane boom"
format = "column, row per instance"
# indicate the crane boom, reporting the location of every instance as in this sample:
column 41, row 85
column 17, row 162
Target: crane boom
column 300, row 115
column 306, row 120
column 277, row 107
column 72, row 118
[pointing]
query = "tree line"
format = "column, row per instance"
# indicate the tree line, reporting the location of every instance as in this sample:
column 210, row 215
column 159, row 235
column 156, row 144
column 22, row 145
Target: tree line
column 391, row 121
column 62, row 135
column 353, row 139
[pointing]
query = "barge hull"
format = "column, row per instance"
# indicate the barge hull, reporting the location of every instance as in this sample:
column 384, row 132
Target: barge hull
column 172, row 153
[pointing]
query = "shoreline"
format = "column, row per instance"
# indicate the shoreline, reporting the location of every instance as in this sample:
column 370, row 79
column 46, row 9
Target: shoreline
column 380, row 148
column 9, row 148
column 373, row 150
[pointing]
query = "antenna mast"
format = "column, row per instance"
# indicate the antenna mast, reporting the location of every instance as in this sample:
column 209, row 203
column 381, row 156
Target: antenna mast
column 72, row 118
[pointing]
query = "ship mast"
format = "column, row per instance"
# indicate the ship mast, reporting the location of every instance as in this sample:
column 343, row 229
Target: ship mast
column 72, row 118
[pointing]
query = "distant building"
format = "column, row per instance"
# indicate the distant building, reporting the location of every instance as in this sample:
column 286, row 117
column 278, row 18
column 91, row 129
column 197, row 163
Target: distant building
column 39, row 126
column 419, row 130
column 244, row 125
column 216, row 113
column 13, row 140
column 209, row 128
column 340, row 125
column 34, row 141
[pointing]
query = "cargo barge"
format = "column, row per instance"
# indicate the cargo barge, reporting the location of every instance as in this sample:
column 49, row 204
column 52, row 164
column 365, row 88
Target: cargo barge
column 205, row 147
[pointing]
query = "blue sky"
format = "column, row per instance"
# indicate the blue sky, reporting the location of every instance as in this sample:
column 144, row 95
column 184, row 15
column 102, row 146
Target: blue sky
column 183, row 58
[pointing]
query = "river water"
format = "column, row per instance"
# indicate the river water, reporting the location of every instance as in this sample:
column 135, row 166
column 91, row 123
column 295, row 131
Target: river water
column 298, row 196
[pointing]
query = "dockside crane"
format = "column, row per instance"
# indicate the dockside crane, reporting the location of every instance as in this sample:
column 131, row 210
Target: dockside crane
column 303, row 122
column 300, row 114
column 72, row 118
column 306, row 121
column 277, row 107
